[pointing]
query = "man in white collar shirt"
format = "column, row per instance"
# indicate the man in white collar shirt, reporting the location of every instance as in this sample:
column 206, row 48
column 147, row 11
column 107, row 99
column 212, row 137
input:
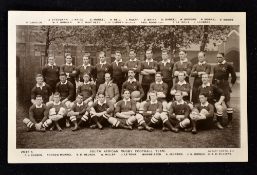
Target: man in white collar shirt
column 110, row 89
column 166, row 68
column 118, row 70
column 154, row 115
column 221, row 73
column 56, row 111
column 182, row 86
column 51, row 73
column 70, row 70
column 126, row 109
column 133, row 63
column 87, row 89
column 102, row 114
column 198, row 69
column 38, row 116
column 161, row 89
column 41, row 88
column 182, row 65
column 86, row 67
column 66, row 90
column 101, row 68
column 202, row 114
column 79, row 111
column 148, row 70
column 179, row 112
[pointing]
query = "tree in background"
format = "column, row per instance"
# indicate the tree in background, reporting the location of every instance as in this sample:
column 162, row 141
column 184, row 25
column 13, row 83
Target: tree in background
column 137, row 37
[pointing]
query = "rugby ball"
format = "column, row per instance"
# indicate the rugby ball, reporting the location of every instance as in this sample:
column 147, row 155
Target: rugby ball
column 135, row 94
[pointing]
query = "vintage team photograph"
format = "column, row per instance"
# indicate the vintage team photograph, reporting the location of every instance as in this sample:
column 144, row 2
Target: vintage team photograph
column 128, row 86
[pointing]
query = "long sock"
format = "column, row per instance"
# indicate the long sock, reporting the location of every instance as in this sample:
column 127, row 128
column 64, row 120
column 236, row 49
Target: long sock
column 230, row 117
column 170, row 126
column 194, row 130
column 95, row 119
column 121, row 125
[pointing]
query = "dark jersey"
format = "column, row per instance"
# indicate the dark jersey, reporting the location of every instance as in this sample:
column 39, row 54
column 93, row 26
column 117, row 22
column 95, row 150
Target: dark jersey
column 221, row 72
column 45, row 91
column 148, row 79
column 65, row 89
column 38, row 113
column 166, row 69
column 212, row 91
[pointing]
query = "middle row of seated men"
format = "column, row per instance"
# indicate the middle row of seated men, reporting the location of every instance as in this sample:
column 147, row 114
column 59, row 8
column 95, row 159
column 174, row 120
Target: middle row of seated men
column 104, row 106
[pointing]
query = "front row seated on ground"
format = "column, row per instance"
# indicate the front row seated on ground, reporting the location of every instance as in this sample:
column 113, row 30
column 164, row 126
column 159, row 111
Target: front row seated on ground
column 126, row 114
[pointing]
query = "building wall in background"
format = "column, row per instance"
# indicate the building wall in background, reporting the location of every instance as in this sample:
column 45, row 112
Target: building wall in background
column 30, row 57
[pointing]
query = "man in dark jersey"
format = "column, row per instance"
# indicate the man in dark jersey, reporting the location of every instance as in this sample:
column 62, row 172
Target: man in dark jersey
column 221, row 74
column 215, row 96
column 198, row 69
column 51, row 72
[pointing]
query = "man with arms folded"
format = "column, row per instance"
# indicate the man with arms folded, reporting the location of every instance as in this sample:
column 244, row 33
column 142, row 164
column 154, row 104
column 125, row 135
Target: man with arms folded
column 38, row 116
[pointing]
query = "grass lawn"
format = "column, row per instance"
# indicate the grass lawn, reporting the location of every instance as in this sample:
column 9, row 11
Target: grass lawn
column 119, row 138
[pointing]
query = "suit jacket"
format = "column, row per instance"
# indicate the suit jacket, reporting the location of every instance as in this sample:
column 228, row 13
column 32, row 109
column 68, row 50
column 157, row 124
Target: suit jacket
column 111, row 90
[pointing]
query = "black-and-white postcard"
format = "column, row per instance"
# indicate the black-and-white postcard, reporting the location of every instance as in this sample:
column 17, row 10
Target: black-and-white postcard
column 127, row 87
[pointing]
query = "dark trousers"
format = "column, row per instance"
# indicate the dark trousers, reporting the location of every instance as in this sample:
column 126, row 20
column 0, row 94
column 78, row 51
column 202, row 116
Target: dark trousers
column 52, row 84
column 119, row 81
column 72, row 80
column 146, row 88
column 170, row 85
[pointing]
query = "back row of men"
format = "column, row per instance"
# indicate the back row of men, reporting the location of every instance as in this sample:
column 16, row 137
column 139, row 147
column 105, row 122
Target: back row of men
column 118, row 77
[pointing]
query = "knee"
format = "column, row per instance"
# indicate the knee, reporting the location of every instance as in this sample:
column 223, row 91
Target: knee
column 131, row 120
column 184, row 123
column 168, row 105
column 164, row 117
column 113, row 121
column 26, row 120
column 141, row 107
column 155, row 118
column 47, row 123
column 28, row 123
column 138, row 106
column 72, row 118
column 89, row 104
column 61, row 111
column 219, row 108
column 165, row 104
column 69, row 104
column 85, row 117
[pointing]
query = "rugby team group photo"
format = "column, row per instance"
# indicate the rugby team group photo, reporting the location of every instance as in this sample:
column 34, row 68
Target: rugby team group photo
column 134, row 94
column 124, row 86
